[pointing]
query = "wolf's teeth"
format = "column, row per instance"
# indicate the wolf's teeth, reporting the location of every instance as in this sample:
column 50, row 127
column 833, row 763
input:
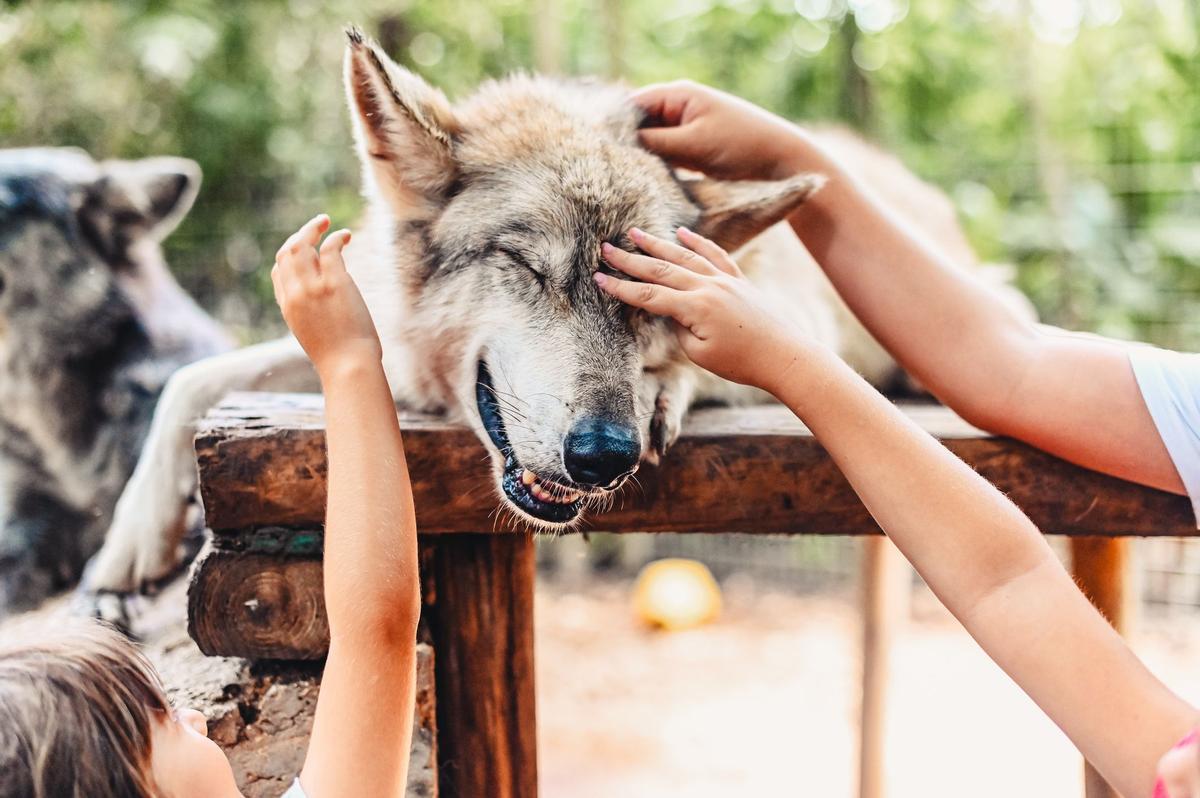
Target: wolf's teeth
column 548, row 491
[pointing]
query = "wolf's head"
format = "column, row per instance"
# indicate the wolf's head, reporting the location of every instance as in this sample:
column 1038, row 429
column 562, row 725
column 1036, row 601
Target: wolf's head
column 496, row 208
column 75, row 236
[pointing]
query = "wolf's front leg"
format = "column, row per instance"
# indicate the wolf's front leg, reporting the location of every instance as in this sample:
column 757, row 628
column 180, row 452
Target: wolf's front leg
column 668, row 392
column 148, row 523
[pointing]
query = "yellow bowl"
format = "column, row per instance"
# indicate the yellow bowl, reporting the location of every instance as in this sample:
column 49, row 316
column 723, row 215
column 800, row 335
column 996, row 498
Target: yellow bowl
column 675, row 594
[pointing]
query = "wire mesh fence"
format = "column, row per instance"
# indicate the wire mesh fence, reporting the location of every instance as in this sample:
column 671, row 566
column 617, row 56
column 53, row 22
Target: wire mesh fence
column 1072, row 152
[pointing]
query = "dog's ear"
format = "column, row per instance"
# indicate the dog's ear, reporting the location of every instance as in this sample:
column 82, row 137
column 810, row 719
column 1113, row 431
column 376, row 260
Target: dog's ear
column 734, row 211
column 404, row 128
column 133, row 200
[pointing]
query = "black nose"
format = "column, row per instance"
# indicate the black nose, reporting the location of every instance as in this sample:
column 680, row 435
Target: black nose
column 597, row 452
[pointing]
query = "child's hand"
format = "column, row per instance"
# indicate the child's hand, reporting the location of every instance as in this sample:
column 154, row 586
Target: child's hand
column 319, row 300
column 707, row 130
column 1179, row 771
column 724, row 324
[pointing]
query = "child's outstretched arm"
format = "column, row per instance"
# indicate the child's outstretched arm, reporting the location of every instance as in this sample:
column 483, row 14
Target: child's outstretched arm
column 363, row 725
column 981, row 556
column 1076, row 397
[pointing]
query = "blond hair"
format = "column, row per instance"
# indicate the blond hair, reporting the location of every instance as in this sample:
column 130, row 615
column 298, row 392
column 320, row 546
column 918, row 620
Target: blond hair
column 76, row 711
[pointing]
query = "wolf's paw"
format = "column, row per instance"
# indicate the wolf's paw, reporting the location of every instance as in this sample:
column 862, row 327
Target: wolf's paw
column 118, row 610
column 139, row 550
column 669, row 409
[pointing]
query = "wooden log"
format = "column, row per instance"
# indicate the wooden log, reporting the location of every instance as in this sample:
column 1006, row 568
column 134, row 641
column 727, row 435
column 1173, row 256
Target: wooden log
column 1101, row 567
column 478, row 593
column 478, row 614
column 258, row 606
column 753, row 470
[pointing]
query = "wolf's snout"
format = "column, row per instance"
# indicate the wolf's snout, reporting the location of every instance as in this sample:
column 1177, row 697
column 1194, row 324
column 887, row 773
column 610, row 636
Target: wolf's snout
column 598, row 452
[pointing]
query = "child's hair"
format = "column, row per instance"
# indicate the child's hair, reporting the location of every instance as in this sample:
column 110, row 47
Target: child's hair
column 76, row 710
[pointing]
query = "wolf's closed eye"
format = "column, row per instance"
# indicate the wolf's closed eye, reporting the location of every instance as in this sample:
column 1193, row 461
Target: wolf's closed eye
column 516, row 258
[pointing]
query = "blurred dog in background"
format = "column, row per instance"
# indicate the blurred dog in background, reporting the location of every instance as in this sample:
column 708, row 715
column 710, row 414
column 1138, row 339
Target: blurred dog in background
column 91, row 326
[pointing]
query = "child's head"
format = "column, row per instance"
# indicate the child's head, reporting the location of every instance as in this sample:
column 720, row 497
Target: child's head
column 83, row 713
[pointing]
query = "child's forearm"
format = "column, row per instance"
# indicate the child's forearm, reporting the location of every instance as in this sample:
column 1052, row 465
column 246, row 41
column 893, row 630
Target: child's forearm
column 363, row 722
column 950, row 331
column 992, row 569
column 944, row 517
column 371, row 584
column 940, row 323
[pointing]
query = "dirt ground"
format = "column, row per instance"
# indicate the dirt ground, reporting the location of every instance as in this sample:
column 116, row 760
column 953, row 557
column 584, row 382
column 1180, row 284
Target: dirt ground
column 764, row 701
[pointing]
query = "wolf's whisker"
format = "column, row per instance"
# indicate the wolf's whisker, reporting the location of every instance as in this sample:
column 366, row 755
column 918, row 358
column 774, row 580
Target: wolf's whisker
column 511, row 395
column 504, row 373
column 555, row 397
column 637, row 483
column 499, row 397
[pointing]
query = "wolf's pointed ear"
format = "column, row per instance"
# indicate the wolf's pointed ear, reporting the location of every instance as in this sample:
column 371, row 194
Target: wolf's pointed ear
column 733, row 212
column 404, row 128
column 128, row 201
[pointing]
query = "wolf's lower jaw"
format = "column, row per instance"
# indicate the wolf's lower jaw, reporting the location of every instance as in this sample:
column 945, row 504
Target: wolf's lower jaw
column 547, row 504
column 542, row 504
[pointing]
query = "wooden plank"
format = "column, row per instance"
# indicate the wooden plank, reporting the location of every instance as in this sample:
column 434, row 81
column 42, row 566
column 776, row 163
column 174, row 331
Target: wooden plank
column 1101, row 567
column 479, row 612
column 884, row 597
column 754, row 470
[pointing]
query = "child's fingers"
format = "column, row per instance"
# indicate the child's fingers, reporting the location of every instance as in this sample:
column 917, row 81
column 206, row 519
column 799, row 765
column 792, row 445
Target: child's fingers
column 710, row 251
column 663, row 103
column 652, row 270
column 299, row 264
column 276, row 283
column 671, row 252
column 331, row 251
column 675, row 145
column 312, row 231
column 307, row 236
column 656, row 299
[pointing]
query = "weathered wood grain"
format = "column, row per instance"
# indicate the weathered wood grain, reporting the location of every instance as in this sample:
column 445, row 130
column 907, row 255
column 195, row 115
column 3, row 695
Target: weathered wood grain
column 478, row 615
column 753, row 470
column 478, row 611
column 258, row 606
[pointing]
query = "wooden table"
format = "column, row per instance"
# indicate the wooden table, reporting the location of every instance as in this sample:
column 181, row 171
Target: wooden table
column 257, row 593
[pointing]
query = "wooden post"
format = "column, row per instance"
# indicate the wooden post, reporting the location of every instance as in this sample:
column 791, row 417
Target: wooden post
column 612, row 16
column 1100, row 566
column 479, row 613
column 884, row 597
column 547, row 21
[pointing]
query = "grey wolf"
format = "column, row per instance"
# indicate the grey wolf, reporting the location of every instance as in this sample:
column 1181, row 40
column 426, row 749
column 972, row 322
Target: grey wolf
column 91, row 326
column 483, row 225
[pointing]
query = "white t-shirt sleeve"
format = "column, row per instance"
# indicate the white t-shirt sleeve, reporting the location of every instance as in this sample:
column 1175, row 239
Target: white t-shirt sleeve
column 1170, row 385
column 295, row 791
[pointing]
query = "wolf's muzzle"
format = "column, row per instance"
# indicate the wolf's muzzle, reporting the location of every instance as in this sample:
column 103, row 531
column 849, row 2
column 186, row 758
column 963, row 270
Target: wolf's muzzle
column 598, row 451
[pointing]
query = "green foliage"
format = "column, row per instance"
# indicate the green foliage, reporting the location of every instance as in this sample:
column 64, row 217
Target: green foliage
column 1066, row 130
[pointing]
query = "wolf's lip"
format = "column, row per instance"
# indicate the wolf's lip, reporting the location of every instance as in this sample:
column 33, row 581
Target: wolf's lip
column 546, row 501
